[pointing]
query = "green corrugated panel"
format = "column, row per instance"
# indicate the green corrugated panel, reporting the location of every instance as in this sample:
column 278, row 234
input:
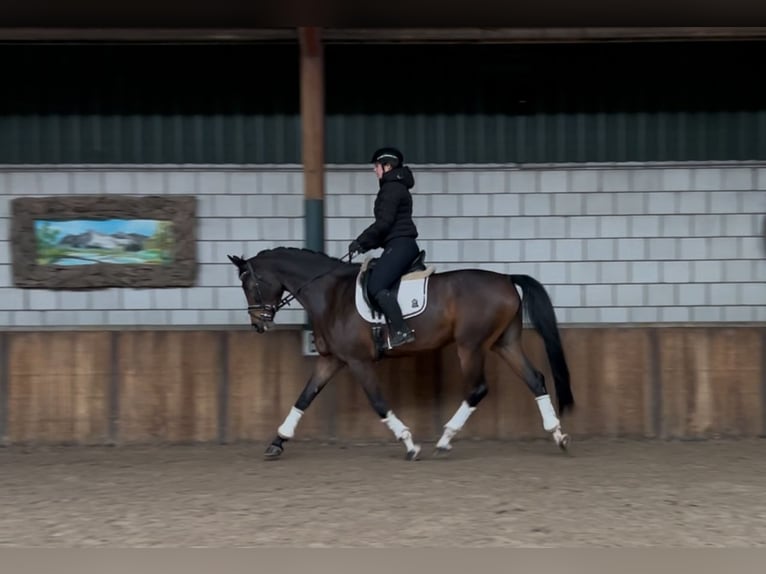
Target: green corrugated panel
column 155, row 104
column 558, row 103
column 440, row 104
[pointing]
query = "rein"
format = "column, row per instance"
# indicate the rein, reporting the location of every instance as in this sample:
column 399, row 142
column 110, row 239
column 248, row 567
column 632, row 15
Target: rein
column 271, row 310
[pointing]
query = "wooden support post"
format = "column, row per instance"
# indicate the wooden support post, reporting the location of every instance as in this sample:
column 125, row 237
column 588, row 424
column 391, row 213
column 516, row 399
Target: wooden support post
column 312, row 134
column 312, row 146
column 5, row 385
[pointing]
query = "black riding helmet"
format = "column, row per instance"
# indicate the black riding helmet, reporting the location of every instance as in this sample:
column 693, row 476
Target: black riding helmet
column 388, row 155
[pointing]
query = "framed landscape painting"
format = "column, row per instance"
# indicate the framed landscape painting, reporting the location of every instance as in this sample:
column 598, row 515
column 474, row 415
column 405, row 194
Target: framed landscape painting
column 91, row 242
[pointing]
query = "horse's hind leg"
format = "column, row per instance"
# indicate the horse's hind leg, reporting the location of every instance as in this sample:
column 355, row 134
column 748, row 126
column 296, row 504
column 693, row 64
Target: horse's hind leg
column 472, row 365
column 365, row 374
column 510, row 349
column 325, row 369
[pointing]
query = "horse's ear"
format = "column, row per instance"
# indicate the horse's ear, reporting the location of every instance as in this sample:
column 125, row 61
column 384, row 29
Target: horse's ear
column 235, row 260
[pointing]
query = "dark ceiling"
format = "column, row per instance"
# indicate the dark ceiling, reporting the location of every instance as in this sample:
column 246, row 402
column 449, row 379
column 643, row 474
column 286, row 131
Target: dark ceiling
column 239, row 14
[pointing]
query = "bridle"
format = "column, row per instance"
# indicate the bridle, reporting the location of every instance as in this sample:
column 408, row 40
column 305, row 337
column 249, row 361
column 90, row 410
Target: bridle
column 268, row 311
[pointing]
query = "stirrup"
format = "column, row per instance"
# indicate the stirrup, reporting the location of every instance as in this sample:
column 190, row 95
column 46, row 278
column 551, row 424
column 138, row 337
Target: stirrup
column 402, row 337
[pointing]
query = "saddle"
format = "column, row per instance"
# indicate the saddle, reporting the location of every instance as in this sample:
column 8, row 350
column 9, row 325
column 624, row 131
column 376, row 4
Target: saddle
column 410, row 289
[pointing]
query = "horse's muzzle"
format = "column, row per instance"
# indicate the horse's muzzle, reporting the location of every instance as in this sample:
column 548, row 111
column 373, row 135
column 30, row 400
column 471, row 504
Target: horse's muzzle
column 261, row 316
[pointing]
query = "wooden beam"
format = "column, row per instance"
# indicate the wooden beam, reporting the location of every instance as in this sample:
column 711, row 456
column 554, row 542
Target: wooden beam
column 312, row 132
column 149, row 35
column 312, row 142
column 473, row 35
column 469, row 35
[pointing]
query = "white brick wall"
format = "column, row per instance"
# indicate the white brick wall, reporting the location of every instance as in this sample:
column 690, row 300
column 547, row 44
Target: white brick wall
column 618, row 244
column 237, row 209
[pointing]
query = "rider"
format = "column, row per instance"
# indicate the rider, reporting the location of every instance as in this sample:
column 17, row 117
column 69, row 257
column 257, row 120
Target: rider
column 394, row 231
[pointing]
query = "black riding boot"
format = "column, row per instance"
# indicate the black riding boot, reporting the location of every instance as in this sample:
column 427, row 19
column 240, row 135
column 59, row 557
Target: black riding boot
column 401, row 333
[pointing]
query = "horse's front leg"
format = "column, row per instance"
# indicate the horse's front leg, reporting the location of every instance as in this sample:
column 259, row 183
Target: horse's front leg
column 365, row 374
column 324, row 370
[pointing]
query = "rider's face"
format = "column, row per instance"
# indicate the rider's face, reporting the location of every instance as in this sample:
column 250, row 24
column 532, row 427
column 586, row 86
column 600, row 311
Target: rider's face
column 381, row 169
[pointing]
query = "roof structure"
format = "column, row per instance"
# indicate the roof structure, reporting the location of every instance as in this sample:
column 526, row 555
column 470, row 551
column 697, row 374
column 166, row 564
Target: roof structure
column 396, row 21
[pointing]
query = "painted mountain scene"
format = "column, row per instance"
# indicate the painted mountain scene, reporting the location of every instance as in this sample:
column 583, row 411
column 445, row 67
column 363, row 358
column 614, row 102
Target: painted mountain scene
column 118, row 241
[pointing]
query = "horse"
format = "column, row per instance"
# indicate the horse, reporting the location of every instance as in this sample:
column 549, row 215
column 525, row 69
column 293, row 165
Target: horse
column 477, row 309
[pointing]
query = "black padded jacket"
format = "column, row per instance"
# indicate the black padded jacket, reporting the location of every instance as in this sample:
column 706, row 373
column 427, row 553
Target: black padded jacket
column 393, row 210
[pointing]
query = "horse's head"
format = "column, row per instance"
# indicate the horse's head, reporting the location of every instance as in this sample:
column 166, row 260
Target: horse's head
column 262, row 291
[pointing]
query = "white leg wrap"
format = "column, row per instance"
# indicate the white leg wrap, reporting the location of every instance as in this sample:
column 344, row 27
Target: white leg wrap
column 287, row 429
column 460, row 417
column 397, row 427
column 550, row 420
column 409, row 444
column 401, row 432
column 453, row 426
column 444, row 440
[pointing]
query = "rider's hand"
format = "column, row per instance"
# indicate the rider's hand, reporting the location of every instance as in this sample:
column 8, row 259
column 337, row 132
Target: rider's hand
column 354, row 247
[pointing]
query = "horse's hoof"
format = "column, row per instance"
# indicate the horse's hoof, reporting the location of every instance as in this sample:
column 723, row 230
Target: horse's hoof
column 564, row 442
column 441, row 451
column 273, row 452
column 413, row 454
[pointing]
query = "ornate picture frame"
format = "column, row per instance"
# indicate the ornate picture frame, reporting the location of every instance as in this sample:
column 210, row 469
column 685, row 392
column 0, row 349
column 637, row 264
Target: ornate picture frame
column 101, row 241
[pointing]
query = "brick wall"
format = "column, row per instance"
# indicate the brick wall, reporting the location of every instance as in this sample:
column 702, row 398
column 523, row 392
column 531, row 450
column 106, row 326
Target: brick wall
column 614, row 244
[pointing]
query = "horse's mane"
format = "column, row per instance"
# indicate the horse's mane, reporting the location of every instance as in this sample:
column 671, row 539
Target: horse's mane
column 334, row 263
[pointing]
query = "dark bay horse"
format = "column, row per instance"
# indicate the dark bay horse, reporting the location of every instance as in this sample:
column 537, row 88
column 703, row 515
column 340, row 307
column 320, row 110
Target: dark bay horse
column 478, row 310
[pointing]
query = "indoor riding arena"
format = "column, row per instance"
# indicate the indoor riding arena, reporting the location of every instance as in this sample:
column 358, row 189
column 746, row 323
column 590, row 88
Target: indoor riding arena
column 624, row 169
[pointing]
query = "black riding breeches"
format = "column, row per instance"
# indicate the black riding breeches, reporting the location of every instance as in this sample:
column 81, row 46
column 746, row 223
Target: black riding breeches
column 396, row 258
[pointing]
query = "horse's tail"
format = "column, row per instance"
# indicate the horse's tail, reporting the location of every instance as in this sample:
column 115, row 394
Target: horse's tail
column 539, row 308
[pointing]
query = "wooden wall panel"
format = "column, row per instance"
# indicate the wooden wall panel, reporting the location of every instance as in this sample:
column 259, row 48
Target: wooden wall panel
column 625, row 358
column 168, row 386
column 712, row 382
column 736, row 380
column 611, row 381
column 686, row 394
column 187, row 386
column 58, row 387
column 581, row 346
